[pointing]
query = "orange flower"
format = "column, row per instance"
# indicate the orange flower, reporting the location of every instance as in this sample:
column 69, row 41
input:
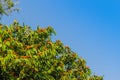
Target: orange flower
column 25, row 57
column 36, row 47
column 87, row 67
column 11, row 46
column 67, row 47
column 8, row 39
column 28, row 47
column 0, row 26
column 45, row 48
column 49, row 42
column 39, row 53
column 4, row 41
column 43, row 29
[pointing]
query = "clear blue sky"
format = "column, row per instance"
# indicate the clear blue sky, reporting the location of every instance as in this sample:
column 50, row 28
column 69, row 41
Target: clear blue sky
column 90, row 27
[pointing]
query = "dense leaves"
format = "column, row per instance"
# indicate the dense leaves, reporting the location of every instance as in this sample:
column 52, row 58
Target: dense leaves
column 27, row 54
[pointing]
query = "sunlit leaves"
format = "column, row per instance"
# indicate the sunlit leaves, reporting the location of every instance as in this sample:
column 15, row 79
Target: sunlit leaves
column 27, row 54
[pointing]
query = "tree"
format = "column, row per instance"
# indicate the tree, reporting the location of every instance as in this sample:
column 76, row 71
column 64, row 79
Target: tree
column 7, row 6
column 27, row 54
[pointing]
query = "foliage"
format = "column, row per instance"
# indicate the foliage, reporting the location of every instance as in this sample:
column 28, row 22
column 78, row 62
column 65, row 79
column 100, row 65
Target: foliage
column 27, row 54
column 7, row 6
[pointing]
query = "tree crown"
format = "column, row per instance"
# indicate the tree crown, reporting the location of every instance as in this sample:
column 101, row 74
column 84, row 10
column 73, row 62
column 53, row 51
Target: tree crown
column 31, row 54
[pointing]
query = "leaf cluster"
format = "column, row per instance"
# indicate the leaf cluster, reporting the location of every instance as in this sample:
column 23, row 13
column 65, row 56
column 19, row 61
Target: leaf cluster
column 7, row 6
column 27, row 54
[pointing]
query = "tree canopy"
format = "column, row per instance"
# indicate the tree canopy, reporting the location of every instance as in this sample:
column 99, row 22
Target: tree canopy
column 7, row 6
column 27, row 54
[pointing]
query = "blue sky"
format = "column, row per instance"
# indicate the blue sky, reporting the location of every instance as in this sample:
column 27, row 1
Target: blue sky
column 90, row 27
